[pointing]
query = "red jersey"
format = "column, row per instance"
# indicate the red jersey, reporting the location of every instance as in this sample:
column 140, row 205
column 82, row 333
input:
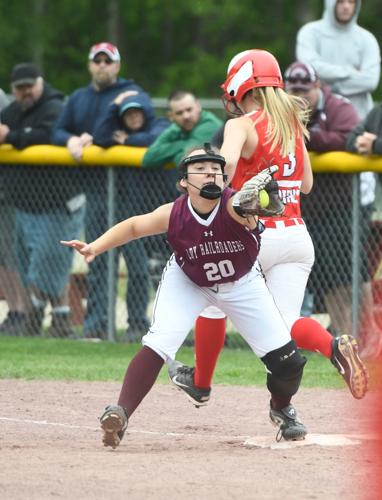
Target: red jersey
column 289, row 176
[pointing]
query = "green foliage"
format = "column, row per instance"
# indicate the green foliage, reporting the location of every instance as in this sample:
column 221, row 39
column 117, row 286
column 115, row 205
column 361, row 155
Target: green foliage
column 52, row 359
column 165, row 44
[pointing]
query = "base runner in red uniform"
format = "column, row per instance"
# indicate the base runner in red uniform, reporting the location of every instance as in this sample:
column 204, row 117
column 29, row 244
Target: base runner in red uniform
column 270, row 131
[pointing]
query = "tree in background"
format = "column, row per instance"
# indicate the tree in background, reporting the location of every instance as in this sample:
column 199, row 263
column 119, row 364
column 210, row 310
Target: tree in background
column 165, row 44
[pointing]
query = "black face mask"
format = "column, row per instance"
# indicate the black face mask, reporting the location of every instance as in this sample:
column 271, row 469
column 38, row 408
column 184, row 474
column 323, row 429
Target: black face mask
column 211, row 191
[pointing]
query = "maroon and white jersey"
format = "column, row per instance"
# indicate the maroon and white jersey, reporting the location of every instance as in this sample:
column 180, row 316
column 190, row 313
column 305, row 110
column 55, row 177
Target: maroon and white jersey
column 215, row 250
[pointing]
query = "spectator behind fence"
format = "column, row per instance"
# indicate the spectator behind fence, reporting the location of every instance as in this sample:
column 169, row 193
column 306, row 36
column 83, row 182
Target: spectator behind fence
column 4, row 101
column 191, row 126
column 10, row 283
column 131, row 122
column 332, row 117
column 344, row 55
column 75, row 127
column 366, row 139
column 347, row 57
column 47, row 201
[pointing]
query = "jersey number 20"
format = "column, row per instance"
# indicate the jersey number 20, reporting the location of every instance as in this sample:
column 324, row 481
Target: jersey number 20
column 216, row 271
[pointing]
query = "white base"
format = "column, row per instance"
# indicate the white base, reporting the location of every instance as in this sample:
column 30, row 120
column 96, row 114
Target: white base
column 311, row 439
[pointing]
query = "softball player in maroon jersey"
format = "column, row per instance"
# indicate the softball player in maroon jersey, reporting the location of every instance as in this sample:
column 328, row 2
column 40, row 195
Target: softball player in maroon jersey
column 214, row 263
column 270, row 131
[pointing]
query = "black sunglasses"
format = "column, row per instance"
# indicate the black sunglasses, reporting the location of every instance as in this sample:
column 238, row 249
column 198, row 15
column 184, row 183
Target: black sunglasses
column 297, row 79
column 102, row 60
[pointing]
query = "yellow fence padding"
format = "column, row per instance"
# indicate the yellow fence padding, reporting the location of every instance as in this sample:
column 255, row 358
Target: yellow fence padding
column 129, row 156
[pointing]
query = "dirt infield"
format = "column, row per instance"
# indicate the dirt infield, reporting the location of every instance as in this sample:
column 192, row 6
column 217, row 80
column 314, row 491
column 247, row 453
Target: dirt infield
column 51, row 446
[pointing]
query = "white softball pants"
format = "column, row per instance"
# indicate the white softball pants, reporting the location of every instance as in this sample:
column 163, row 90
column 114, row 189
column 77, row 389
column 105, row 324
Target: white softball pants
column 286, row 258
column 247, row 301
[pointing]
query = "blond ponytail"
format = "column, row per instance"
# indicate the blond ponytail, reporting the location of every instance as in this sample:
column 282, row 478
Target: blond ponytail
column 287, row 117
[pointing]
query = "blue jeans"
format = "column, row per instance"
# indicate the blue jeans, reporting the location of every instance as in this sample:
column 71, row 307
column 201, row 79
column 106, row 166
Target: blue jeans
column 41, row 260
column 7, row 236
column 129, row 201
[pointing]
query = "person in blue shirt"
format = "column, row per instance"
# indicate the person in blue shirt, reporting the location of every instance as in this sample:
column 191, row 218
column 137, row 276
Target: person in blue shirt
column 84, row 110
column 129, row 121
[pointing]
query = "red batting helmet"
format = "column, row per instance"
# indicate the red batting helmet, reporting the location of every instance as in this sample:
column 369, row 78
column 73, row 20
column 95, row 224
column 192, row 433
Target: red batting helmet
column 248, row 70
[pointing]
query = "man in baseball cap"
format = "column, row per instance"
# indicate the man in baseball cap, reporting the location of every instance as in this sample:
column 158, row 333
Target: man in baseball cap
column 332, row 116
column 300, row 76
column 24, row 74
column 104, row 48
column 27, row 86
column 85, row 109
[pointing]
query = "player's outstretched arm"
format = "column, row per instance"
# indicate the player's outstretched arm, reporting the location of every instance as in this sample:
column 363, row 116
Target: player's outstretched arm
column 150, row 224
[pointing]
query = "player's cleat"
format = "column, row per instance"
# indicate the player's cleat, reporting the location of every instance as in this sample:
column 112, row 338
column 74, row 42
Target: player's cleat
column 348, row 363
column 183, row 377
column 290, row 426
column 114, row 423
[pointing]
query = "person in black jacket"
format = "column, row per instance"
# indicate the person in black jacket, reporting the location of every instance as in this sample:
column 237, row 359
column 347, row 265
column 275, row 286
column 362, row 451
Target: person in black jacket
column 13, row 291
column 366, row 139
column 48, row 201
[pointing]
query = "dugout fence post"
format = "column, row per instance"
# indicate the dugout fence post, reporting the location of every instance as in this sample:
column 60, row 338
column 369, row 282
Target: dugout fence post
column 356, row 253
column 111, row 261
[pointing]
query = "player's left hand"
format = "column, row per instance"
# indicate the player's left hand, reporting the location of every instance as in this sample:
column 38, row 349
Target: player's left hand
column 259, row 181
column 246, row 202
column 83, row 248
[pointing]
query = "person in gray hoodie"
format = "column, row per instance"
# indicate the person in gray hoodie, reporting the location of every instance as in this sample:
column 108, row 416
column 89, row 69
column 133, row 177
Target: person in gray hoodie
column 347, row 58
column 344, row 55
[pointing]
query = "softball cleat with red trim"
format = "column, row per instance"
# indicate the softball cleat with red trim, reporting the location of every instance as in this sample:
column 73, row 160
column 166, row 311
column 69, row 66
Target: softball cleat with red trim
column 114, row 424
column 182, row 376
column 349, row 365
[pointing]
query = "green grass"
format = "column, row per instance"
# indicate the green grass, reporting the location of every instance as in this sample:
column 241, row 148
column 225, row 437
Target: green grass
column 52, row 359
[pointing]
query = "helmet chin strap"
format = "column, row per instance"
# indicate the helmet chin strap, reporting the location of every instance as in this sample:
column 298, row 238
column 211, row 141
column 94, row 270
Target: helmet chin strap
column 210, row 191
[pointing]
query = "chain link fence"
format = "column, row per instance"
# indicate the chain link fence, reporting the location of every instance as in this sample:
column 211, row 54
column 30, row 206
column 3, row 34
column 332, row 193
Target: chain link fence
column 46, row 290
column 343, row 216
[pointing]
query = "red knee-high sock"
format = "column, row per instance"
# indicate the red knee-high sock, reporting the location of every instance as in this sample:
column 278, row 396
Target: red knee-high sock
column 140, row 376
column 209, row 341
column 310, row 335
